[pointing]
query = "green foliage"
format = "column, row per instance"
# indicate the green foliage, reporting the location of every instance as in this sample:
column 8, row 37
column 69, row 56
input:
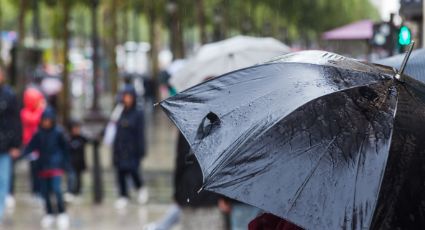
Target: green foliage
column 295, row 18
column 317, row 16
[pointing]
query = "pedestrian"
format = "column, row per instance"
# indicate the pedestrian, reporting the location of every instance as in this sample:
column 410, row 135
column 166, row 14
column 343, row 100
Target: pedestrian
column 52, row 146
column 10, row 136
column 77, row 146
column 198, row 209
column 34, row 104
column 129, row 148
column 239, row 214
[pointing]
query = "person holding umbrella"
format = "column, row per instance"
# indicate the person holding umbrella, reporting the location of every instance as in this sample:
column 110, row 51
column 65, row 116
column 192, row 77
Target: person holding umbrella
column 321, row 140
column 129, row 148
column 198, row 208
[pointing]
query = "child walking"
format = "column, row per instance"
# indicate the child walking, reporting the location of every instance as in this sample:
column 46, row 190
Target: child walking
column 53, row 160
column 77, row 153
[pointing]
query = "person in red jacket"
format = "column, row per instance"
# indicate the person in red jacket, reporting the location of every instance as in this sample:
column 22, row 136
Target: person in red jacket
column 34, row 104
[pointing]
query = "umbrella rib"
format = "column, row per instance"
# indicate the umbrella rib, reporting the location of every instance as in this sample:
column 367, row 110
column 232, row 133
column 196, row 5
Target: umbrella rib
column 296, row 153
column 301, row 188
column 358, row 169
column 233, row 148
column 278, row 120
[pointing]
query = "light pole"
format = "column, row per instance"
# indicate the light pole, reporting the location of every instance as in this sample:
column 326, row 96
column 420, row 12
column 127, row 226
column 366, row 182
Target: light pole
column 95, row 120
column 95, row 58
column 176, row 35
column 423, row 24
column 217, row 19
column 36, row 20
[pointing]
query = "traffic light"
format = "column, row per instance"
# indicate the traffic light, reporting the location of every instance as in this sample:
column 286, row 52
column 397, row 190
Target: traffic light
column 382, row 35
column 385, row 36
column 404, row 36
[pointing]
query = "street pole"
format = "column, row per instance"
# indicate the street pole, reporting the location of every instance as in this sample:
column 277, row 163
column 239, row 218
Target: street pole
column 36, row 21
column 64, row 101
column 95, row 58
column 393, row 39
column 217, row 21
column 95, row 120
column 201, row 21
column 423, row 24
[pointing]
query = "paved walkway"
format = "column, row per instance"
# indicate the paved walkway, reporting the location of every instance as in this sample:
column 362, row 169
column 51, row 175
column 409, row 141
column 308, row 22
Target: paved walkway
column 158, row 167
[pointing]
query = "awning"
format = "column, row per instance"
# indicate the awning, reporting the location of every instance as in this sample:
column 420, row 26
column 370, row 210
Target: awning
column 359, row 30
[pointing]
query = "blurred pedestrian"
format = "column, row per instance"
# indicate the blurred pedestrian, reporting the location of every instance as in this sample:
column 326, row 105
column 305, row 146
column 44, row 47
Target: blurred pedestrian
column 34, row 105
column 129, row 149
column 199, row 209
column 168, row 221
column 10, row 136
column 53, row 160
column 77, row 151
column 239, row 214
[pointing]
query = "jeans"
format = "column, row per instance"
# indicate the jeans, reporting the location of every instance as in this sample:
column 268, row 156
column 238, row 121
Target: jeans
column 122, row 180
column 171, row 218
column 35, row 181
column 241, row 215
column 5, row 170
column 52, row 186
column 12, row 179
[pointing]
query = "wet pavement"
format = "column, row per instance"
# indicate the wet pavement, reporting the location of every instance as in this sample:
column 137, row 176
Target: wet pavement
column 157, row 170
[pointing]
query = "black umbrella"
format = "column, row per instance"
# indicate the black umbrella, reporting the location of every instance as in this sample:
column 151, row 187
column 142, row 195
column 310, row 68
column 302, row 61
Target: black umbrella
column 324, row 141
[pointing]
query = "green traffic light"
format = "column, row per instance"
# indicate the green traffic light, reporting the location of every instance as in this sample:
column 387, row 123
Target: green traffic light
column 404, row 36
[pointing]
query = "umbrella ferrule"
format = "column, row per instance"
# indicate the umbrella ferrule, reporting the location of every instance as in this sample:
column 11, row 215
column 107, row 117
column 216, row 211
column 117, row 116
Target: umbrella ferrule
column 404, row 63
column 397, row 76
column 200, row 190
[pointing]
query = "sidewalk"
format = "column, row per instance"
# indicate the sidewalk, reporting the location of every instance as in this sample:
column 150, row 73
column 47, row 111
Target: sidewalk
column 157, row 170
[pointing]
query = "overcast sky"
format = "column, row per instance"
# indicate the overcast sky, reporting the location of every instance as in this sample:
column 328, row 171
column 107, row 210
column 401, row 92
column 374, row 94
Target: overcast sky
column 386, row 7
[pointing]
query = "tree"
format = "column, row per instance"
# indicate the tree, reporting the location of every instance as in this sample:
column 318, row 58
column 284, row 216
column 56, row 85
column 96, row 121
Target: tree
column 111, row 34
column 201, row 21
column 23, row 6
column 173, row 8
column 153, row 11
column 65, row 96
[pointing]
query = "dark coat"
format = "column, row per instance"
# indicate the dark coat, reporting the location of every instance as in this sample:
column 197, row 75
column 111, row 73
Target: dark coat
column 10, row 124
column 129, row 142
column 52, row 147
column 77, row 151
column 188, row 179
column 269, row 221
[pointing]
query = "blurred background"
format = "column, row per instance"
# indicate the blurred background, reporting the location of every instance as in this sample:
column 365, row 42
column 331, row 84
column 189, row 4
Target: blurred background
column 84, row 51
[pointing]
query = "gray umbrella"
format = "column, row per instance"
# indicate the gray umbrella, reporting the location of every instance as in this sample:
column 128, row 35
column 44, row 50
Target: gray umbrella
column 324, row 141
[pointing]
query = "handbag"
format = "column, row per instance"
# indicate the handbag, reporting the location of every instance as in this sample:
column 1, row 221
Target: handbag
column 111, row 127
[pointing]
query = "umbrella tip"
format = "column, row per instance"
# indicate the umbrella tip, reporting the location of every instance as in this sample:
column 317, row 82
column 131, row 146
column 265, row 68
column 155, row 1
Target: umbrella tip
column 200, row 190
column 155, row 104
column 404, row 63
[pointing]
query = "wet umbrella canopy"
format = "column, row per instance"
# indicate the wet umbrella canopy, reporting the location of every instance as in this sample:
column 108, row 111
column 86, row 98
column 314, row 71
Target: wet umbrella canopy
column 321, row 140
